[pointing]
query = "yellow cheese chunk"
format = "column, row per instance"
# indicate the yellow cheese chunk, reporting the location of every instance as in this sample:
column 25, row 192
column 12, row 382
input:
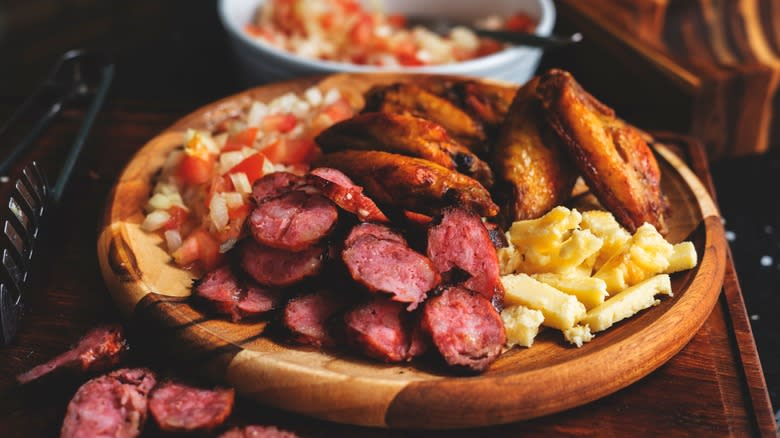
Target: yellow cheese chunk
column 589, row 291
column 683, row 258
column 560, row 310
column 646, row 254
column 578, row 335
column 521, row 325
column 604, row 226
column 628, row 303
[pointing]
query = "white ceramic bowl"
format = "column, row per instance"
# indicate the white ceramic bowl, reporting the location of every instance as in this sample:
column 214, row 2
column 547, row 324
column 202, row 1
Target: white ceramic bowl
column 261, row 62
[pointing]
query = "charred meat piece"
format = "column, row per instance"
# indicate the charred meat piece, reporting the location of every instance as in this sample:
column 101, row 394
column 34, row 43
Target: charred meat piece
column 405, row 134
column 293, row 221
column 257, row 432
column 101, row 348
column 177, row 407
column 307, row 317
column 114, row 405
column 459, row 240
column 612, row 155
column 386, row 265
column 276, row 267
column 275, row 184
column 411, row 183
column 464, row 327
column 346, row 194
column 403, row 98
column 535, row 174
column 225, row 294
column 380, row 328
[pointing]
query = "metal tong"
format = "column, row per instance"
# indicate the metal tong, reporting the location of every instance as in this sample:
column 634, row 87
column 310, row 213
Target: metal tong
column 78, row 76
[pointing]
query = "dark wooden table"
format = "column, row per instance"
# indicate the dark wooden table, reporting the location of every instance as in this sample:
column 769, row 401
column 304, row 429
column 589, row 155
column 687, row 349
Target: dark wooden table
column 171, row 58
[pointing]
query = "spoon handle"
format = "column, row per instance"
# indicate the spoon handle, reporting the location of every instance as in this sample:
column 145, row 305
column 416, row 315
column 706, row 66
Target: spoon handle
column 529, row 39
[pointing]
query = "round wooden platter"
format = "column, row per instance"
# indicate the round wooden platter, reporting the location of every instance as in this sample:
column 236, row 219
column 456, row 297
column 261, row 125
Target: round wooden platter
column 339, row 386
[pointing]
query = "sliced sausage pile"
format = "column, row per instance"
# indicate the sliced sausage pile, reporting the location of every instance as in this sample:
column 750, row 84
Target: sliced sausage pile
column 395, row 290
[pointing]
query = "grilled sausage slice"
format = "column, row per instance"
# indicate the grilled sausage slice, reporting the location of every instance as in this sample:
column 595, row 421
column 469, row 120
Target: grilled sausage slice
column 346, row 194
column 113, row 405
column 460, row 240
column 177, row 407
column 307, row 317
column 464, row 327
column 275, row 267
column 383, row 265
column 293, row 221
column 411, row 183
column 380, row 329
column 100, row 349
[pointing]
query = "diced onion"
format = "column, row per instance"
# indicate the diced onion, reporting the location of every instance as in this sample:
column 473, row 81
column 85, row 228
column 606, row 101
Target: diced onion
column 155, row 220
column 228, row 160
column 159, row 202
column 233, row 199
column 241, row 182
column 221, row 139
column 207, row 141
column 227, row 245
column 314, row 96
column 218, row 211
column 173, row 240
column 331, row 97
column 256, row 114
column 173, row 159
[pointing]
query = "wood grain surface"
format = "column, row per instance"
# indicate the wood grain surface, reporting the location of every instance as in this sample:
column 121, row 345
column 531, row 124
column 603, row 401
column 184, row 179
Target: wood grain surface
column 724, row 55
column 336, row 385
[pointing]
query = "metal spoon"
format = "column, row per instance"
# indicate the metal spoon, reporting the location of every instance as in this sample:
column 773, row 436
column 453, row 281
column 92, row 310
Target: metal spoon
column 443, row 26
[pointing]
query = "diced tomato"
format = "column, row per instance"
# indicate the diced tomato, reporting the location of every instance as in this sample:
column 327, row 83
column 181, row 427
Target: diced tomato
column 199, row 247
column 194, row 170
column 362, row 32
column 339, row 110
column 396, row 20
column 520, row 22
column 327, row 20
column 219, row 185
column 245, row 138
column 178, row 216
column 291, row 151
column 239, row 212
column 254, row 30
column 279, row 122
column 252, row 166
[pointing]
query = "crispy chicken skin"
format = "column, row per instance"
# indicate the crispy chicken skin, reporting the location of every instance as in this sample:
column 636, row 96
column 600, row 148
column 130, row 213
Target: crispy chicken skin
column 411, row 183
column 402, row 98
column 487, row 102
column 405, row 134
column 612, row 155
column 534, row 174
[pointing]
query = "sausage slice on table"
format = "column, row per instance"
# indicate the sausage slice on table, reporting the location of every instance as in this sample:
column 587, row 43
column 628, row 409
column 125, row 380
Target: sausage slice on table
column 460, row 240
column 380, row 329
column 100, row 349
column 257, row 432
column 176, row 407
column 464, row 327
column 383, row 265
column 276, row 267
column 114, row 405
column 293, row 221
column 346, row 194
column 308, row 316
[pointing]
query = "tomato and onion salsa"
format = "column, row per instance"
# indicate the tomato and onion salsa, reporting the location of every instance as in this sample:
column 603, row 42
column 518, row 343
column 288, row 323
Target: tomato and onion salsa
column 201, row 198
column 344, row 31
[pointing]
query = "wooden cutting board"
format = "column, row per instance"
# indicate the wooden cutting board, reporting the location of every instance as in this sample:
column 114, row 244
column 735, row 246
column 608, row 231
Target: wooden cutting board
column 340, row 386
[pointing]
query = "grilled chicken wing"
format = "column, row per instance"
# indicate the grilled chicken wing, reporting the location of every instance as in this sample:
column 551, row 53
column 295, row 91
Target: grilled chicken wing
column 487, row 102
column 407, row 98
column 405, row 134
column 411, row 183
column 534, row 175
column 614, row 159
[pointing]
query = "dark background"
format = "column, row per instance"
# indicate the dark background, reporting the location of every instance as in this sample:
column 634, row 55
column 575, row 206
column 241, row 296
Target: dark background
column 172, row 57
